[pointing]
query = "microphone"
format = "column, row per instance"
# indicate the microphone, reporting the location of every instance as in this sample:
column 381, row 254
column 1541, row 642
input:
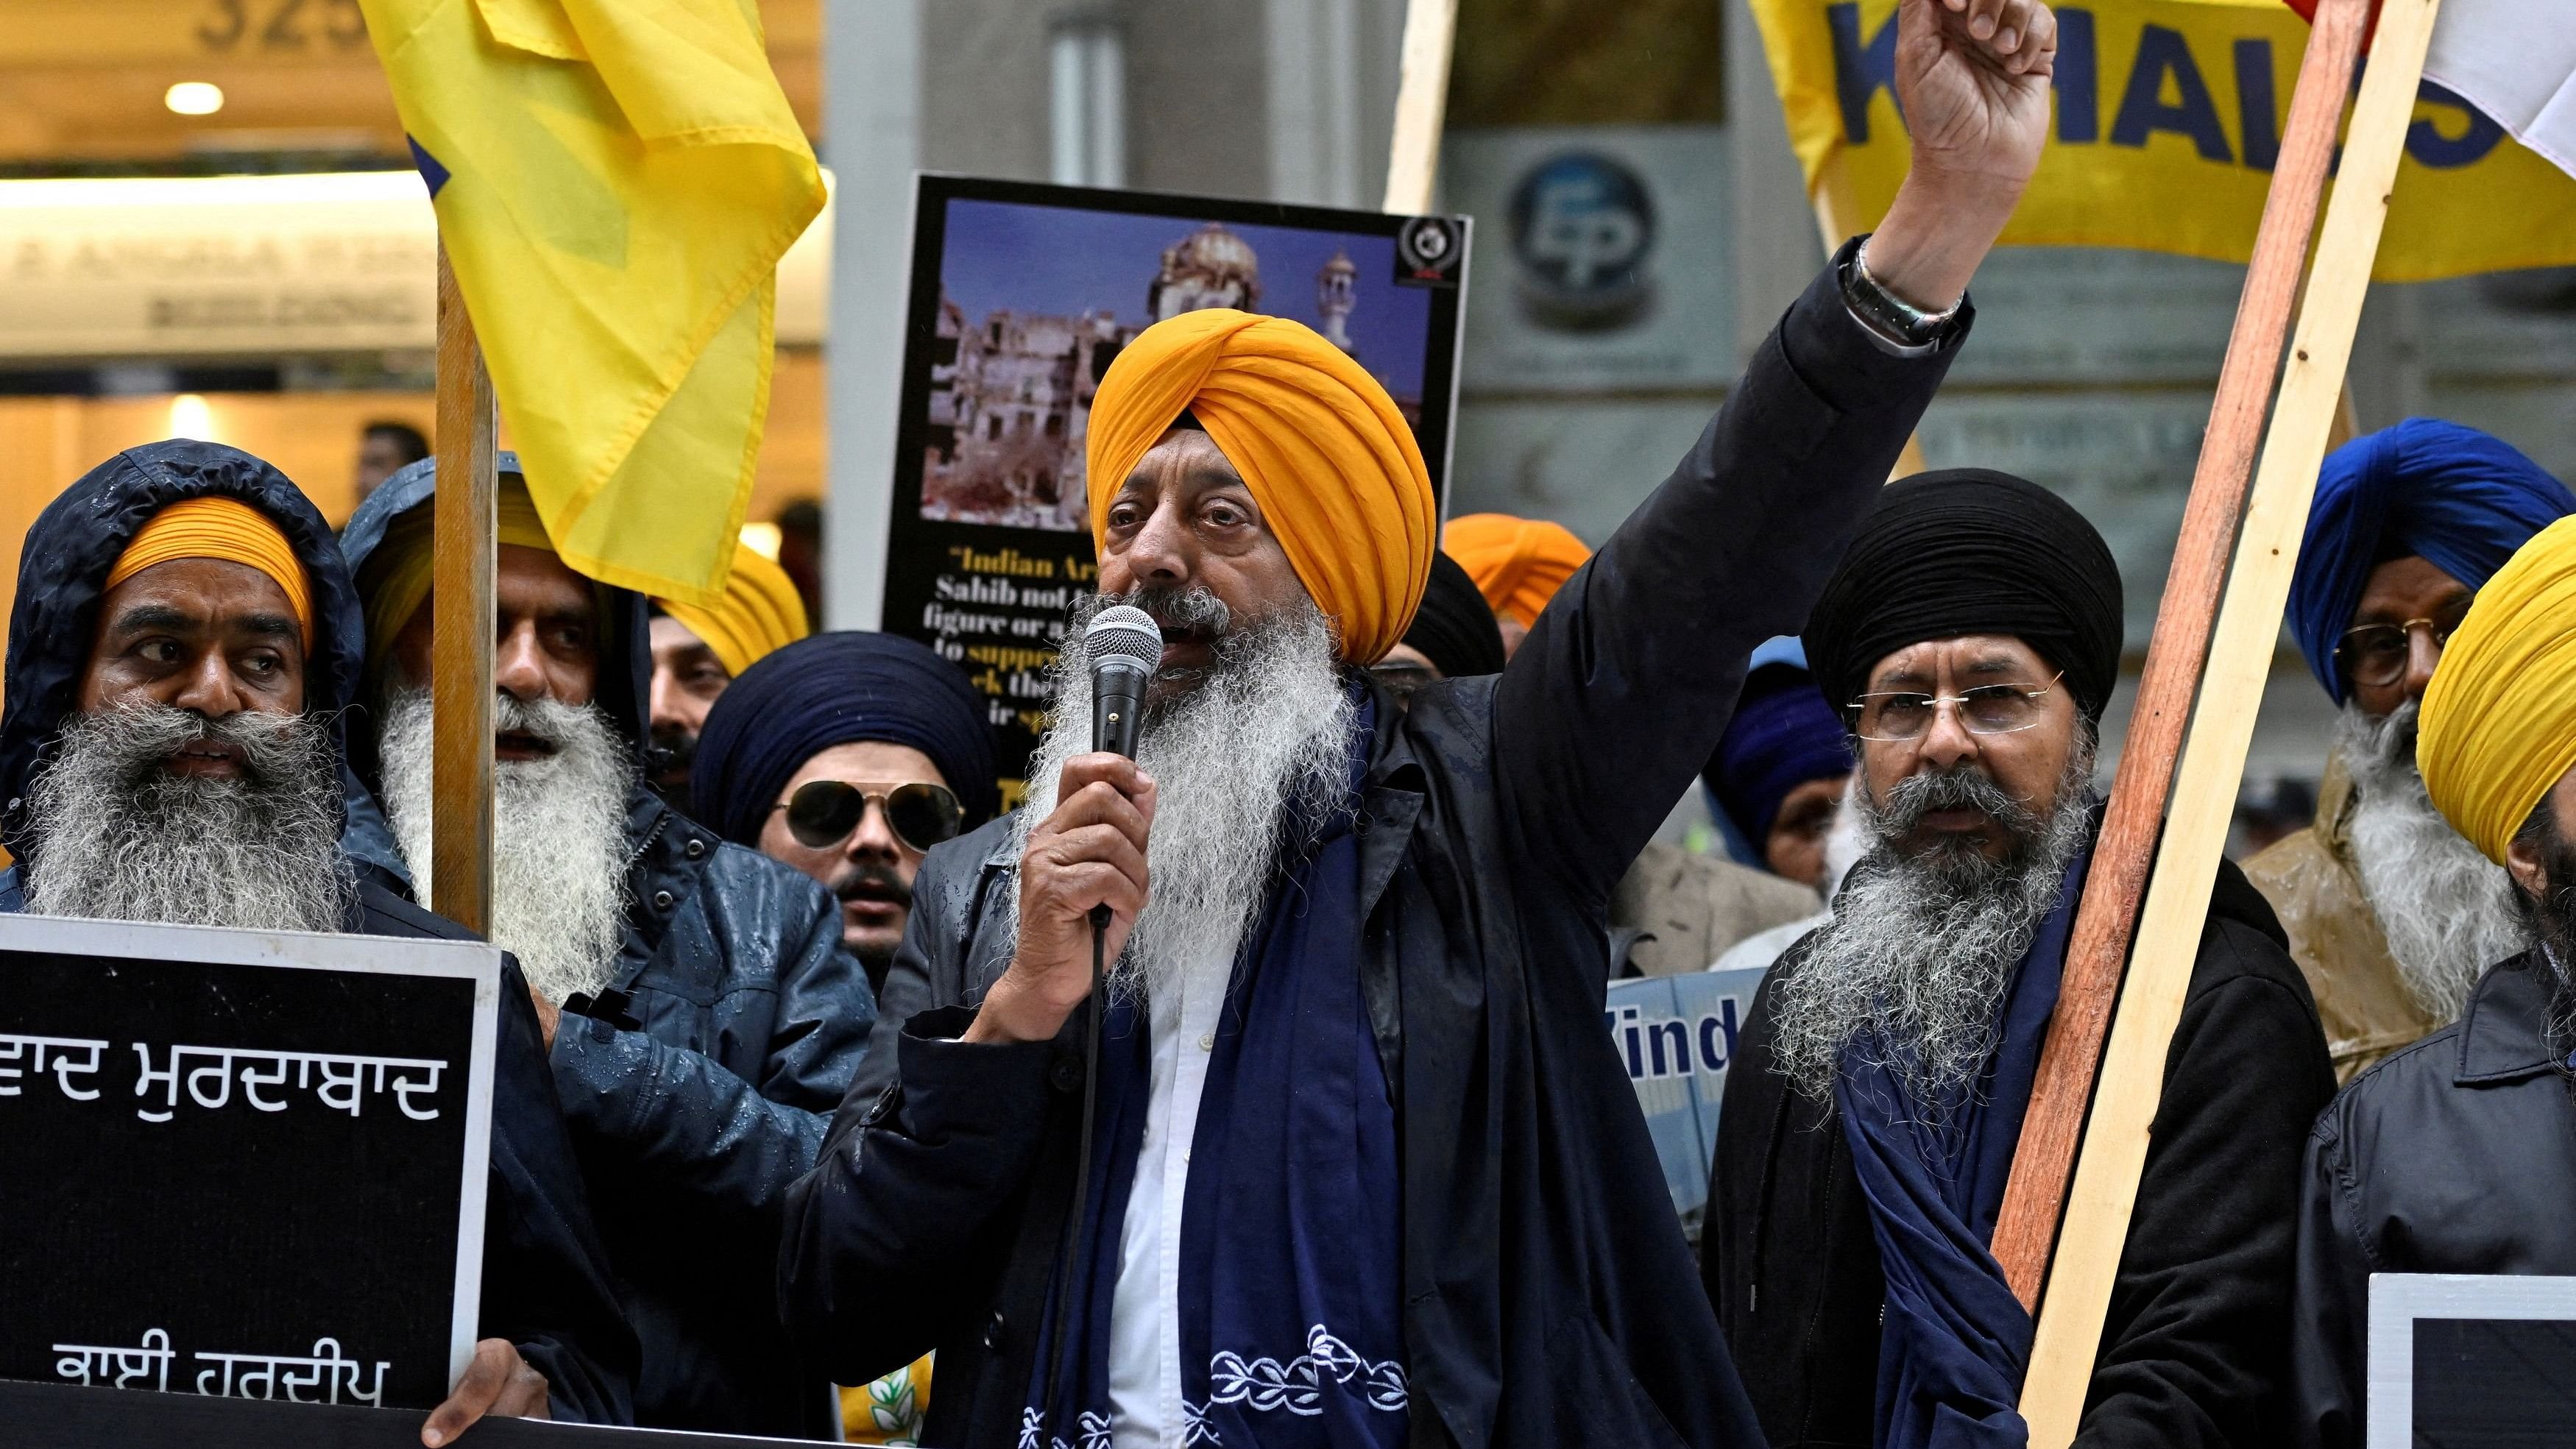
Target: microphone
column 1124, row 645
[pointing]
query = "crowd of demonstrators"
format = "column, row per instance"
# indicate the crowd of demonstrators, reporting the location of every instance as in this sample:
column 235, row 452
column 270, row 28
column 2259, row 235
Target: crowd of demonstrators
column 2390, row 912
column 698, row 649
column 700, row 1013
column 183, row 651
column 1328, row 915
column 2458, row 1154
column 1878, row 1088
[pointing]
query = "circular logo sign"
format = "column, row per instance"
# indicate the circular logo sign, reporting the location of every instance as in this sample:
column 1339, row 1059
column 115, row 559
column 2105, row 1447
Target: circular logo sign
column 1583, row 229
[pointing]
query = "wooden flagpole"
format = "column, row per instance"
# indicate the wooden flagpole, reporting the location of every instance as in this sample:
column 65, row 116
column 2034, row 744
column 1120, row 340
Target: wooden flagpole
column 2238, row 651
column 464, row 525
column 1421, row 101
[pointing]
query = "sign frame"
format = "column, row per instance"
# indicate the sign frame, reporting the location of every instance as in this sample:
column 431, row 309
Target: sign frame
column 2398, row 1299
column 475, row 961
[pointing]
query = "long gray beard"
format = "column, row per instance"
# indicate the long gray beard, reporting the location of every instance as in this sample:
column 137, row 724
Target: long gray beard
column 1267, row 730
column 559, row 850
column 1913, row 967
column 120, row 838
column 2448, row 912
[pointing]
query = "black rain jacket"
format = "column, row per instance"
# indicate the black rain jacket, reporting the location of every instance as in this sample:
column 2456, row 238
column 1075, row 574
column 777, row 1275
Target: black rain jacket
column 1548, row 1297
column 699, row 1085
column 2454, row 1155
column 546, row 1284
column 2193, row 1348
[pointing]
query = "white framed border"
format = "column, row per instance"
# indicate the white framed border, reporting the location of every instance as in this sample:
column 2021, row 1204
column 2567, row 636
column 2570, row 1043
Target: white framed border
column 474, row 961
column 2398, row 1299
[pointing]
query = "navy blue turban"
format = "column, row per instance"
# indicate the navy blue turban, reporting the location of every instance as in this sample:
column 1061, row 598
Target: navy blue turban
column 1782, row 736
column 837, row 689
column 2458, row 499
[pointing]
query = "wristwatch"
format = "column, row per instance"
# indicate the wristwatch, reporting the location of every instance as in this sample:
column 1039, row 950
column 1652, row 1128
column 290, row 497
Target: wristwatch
column 1896, row 324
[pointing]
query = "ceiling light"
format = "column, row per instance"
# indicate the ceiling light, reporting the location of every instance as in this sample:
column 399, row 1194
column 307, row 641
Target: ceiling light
column 194, row 98
column 191, row 418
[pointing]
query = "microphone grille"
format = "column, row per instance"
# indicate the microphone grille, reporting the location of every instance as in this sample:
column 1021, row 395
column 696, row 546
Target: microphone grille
column 1123, row 631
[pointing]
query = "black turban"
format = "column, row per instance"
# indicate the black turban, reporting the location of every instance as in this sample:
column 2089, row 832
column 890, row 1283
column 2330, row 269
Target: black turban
column 1970, row 551
column 1454, row 628
column 837, row 689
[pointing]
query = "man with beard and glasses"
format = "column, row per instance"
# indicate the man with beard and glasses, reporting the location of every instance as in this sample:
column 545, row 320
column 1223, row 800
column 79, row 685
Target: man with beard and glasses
column 847, row 755
column 1972, row 637
column 699, row 1011
column 2390, row 913
column 700, row 649
column 1364, row 1169
column 2457, row 1154
column 182, row 648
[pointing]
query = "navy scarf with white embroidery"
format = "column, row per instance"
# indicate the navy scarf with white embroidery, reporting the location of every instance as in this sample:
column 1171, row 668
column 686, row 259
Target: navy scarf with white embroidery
column 1291, row 1323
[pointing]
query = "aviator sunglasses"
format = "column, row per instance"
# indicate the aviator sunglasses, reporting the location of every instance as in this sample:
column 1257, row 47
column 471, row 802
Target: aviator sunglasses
column 823, row 812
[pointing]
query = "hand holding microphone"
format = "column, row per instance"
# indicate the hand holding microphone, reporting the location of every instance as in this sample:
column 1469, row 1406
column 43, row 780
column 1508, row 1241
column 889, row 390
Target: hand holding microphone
column 1088, row 856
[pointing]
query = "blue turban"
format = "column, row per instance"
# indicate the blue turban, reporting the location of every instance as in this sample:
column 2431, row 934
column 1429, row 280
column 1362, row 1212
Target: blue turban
column 1782, row 736
column 2460, row 500
column 837, row 689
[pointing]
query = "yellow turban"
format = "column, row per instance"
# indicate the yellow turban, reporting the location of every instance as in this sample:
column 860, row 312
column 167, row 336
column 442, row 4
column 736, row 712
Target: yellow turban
column 1518, row 563
column 2498, row 726
column 1330, row 461
column 400, row 569
column 226, row 529
column 761, row 611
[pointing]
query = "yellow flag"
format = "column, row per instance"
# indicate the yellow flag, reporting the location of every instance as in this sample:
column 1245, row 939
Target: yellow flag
column 615, row 182
column 2167, row 120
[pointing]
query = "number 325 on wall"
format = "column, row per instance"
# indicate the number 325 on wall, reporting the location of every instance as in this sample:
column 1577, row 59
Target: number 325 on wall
column 275, row 26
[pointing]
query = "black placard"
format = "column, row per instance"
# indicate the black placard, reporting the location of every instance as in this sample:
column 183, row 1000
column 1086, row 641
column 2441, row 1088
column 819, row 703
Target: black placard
column 1021, row 296
column 242, row 1165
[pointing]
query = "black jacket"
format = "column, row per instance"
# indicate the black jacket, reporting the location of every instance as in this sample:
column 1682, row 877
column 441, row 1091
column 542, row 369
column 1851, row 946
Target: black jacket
column 2454, row 1155
column 546, row 1285
column 699, row 1087
column 1547, row 1292
column 2193, row 1346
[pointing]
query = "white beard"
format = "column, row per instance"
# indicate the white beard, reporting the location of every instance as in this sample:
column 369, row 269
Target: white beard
column 119, row 838
column 559, row 850
column 1268, row 728
column 1918, row 954
column 2448, row 912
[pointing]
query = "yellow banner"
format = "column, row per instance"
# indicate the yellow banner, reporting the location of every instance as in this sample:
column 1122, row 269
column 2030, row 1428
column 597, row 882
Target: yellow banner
column 2168, row 120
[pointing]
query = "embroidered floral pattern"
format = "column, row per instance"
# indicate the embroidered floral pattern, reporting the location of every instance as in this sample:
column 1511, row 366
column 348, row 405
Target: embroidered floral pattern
column 1266, row 1384
column 1091, row 1429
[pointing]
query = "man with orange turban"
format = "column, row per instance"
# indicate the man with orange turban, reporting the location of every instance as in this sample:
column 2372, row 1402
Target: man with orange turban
column 1518, row 565
column 1353, row 1167
column 183, row 651
column 2458, row 1154
column 698, row 649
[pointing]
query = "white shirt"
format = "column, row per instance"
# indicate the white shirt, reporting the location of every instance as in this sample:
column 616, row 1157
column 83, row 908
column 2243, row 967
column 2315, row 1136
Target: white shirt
column 1145, row 1313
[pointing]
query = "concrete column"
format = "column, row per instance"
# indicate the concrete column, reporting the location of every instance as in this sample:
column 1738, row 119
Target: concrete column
column 1776, row 246
column 872, row 142
column 1316, row 75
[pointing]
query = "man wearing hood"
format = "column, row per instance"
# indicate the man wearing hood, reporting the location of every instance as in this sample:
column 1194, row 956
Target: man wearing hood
column 700, row 1013
column 183, row 645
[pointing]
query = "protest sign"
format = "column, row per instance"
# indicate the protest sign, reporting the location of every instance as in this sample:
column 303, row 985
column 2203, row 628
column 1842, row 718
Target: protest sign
column 1022, row 294
column 1676, row 1036
column 2169, row 118
column 242, row 1164
column 2470, row 1360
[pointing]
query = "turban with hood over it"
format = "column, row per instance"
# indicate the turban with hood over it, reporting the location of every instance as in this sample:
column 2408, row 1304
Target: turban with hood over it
column 760, row 611
column 837, row 689
column 2453, row 496
column 1970, row 551
column 1332, row 464
column 1517, row 563
column 1454, row 629
column 2498, row 726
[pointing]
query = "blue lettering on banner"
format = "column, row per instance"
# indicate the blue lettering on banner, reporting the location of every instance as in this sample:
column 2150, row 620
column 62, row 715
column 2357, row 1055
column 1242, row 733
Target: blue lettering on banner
column 2254, row 104
column 2076, row 79
column 1674, row 1046
column 2144, row 110
column 2426, row 142
column 1861, row 70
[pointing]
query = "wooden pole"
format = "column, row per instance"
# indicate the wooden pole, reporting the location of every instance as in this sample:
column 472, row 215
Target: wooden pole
column 464, row 524
column 1421, row 100
column 2239, row 654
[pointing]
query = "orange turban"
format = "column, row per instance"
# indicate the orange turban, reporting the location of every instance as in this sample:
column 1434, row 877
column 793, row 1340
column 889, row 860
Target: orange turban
column 226, row 529
column 1330, row 461
column 1518, row 563
column 760, row 611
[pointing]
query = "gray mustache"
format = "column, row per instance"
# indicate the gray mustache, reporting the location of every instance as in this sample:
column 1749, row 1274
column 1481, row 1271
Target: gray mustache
column 1967, row 787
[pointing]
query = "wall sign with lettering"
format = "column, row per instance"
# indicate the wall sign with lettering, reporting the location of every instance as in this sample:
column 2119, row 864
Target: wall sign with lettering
column 242, row 1164
column 1022, row 295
